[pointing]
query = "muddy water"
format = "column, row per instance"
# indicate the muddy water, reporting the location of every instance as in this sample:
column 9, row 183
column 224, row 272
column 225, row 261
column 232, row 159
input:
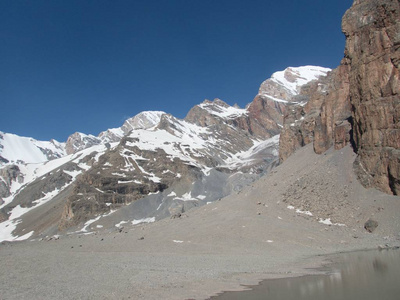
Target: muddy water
column 366, row 275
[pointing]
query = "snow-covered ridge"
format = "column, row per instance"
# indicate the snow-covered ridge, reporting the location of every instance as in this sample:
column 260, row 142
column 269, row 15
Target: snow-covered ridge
column 181, row 141
column 16, row 148
column 221, row 109
column 143, row 120
column 284, row 85
column 294, row 77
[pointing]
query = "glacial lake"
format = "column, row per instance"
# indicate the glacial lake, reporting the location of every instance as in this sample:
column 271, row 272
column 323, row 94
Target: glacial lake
column 364, row 275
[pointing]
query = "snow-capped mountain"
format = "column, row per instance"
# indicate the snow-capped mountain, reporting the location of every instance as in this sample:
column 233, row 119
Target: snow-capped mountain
column 284, row 85
column 280, row 92
column 144, row 120
column 14, row 148
column 151, row 167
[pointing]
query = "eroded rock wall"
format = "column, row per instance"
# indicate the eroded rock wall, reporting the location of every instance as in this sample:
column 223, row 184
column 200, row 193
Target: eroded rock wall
column 359, row 101
column 324, row 120
column 372, row 30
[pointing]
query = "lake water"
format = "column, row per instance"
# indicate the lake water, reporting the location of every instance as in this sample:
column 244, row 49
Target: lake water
column 366, row 275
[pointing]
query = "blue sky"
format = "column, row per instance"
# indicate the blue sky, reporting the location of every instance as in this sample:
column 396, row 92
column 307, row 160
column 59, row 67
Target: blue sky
column 68, row 66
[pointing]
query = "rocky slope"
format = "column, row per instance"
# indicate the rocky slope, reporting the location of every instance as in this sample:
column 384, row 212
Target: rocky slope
column 154, row 164
column 359, row 101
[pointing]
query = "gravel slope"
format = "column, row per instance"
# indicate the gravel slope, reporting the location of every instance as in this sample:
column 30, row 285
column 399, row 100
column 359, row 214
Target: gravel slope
column 241, row 239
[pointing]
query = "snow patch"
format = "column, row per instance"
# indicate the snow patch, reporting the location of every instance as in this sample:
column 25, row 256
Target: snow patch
column 118, row 174
column 6, row 229
column 88, row 223
column 228, row 112
column 120, row 224
column 299, row 211
column 329, row 222
column 186, row 197
column 73, row 174
column 145, row 220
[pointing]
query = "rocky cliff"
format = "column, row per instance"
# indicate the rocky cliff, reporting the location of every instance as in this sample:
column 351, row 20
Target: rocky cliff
column 372, row 30
column 359, row 101
column 325, row 118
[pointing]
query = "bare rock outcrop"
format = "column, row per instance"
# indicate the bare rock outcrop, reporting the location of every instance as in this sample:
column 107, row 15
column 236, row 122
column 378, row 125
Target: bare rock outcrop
column 372, row 30
column 7, row 175
column 258, row 119
column 79, row 141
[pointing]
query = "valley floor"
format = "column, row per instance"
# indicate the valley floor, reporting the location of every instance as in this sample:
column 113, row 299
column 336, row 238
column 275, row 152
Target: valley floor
column 242, row 239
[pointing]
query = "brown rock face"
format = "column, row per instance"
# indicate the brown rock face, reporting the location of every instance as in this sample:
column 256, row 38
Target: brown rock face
column 79, row 141
column 335, row 113
column 265, row 115
column 258, row 121
column 372, row 30
column 323, row 120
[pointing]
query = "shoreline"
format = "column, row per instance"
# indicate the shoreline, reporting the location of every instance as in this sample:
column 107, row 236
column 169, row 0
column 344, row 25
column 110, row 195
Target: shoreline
column 168, row 274
column 344, row 264
column 322, row 268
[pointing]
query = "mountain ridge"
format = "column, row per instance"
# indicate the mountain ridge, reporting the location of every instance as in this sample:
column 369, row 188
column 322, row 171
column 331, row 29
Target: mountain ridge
column 152, row 155
column 312, row 208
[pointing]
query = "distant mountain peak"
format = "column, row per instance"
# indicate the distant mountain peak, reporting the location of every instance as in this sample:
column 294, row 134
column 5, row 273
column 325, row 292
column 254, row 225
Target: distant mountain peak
column 143, row 120
column 14, row 148
column 284, row 85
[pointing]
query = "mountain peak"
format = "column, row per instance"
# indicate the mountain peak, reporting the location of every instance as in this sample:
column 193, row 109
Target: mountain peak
column 143, row 120
column 14, row 148
column 284, row 85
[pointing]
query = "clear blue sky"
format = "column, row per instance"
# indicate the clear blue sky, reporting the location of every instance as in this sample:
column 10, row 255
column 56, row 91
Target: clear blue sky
column 81, row 65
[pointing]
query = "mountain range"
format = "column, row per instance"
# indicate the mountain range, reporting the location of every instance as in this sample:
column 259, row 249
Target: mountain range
column 155, row 164
column 167, row 208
